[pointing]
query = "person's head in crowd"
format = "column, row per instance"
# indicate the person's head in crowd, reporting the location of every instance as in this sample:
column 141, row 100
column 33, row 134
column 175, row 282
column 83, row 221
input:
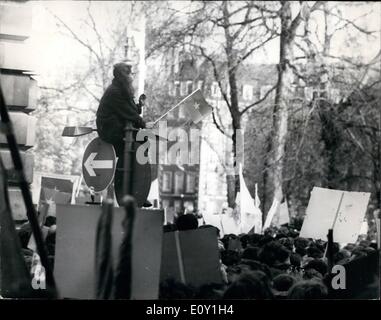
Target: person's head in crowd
column 313, row 251
column 358, row 253
column 321, row 245
column 350, row 247
column 341, row 256
column 249, row 286
column 213, row 291
column 364, row 243
column 282, row 283
column 187, row 222
column 301, row 245
column 173, row 289
column 282, row 232
column 274, row 254
column 250, row 253
column 244, row 240
column 318, row 265
column 288, row 243
column 369, row 249
column 226, row 238
column 254, row 239
column 312, row 274
column 169, row 227
column 271, row 232
column 50, row 220
column 264, row 240
column 257, row 266
column 230, row 257
column 308, row 289
column 296, row 260
column 235, row 271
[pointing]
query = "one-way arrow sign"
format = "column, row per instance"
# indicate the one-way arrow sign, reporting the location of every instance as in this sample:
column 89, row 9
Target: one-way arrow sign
column 91, row 164
column 98, row 164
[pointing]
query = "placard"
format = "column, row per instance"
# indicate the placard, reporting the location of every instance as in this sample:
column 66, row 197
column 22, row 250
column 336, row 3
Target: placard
column 191, row 257
column 74, row 265
column 342, row 211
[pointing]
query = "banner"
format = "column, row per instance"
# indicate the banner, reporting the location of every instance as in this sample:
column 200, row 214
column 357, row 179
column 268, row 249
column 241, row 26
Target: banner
column 250, row 215
column 270, row 215
column 282, row 215
column 194, row 106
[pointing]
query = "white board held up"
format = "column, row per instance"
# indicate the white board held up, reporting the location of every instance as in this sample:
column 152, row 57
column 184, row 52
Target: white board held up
column 342, row 211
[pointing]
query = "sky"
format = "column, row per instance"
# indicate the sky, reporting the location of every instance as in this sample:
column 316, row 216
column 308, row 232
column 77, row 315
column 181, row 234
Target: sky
column 52, row 52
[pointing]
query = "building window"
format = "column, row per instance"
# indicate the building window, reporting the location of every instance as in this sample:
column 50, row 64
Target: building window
column 199, row 84
column 183, row 88
column 176, row 88
column 190, row 183
column 167, row 181
column 179, row 182
column 189, row 87
column 182, row 113
column 215, row 90
column 247, row 92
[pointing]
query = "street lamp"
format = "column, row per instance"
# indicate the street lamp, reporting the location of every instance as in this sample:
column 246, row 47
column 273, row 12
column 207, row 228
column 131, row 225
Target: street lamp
column 77, row 131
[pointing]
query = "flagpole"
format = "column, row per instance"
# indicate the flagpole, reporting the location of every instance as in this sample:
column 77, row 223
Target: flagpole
column 161, row 117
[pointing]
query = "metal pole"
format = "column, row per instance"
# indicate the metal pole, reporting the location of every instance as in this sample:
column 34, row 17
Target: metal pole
column 129, row 154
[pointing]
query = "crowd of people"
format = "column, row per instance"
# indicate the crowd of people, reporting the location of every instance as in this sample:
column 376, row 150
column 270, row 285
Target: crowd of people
column 277, row 264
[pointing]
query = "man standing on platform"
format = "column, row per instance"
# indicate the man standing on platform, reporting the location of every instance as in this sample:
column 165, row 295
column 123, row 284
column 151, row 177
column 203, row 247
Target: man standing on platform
column 116, row 109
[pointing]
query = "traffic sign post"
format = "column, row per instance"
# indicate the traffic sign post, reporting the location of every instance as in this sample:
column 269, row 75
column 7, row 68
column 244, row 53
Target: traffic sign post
column 98, row 165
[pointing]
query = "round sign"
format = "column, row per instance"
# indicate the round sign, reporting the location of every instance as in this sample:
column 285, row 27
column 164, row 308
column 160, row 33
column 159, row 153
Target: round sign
column 98, row 164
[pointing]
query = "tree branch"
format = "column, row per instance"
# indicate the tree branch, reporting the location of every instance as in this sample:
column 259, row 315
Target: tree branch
column 258, row 101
